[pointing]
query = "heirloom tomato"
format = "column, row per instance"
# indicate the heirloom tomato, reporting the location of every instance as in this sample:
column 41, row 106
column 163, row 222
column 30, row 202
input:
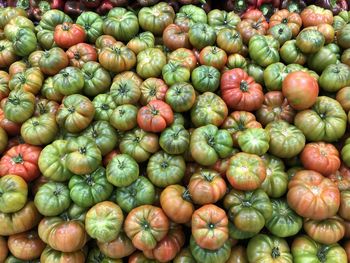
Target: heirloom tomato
column 117, row 248
column 68, row 34
column 26, row 245
column 314, row 15
column 141, row 42
column 220, row 255
column 52, row 61
column 14, row 191
column 122, row 170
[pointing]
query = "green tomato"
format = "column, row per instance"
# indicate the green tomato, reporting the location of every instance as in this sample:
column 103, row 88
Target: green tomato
column 264, row 50
column 284, row 222
column 175, row 72
column 290, row 53
column 180, row 96
column 281, row 32
column 141, row 42
column 257, row 72
column 52, row 199
column 201, row 35
column 19, row 106
column 276, row 181
column 221, row 19
column 124, row 117
column 205, row 78
column 24, row 42
column 14, row 191
column 92, row 23
column 175, row 139
column 156, row 18
column 254, row 140
column 150, row 63
column 208, row 144
column 164, row 169
column 325, row 121
column 68, row 81
column 96, row 79
column 343, row 37
column 319, row 60
column 121, row 24
column 334, row 77
column 310, row 41
column 286, row 140
column 189, row 15
column 345, row 152
column 122, row 170
column 104, row 221
column 140, row 192
column 104, row 106
column 264, row 248
column 52, row 161
column 202, row 255
column 90, row 189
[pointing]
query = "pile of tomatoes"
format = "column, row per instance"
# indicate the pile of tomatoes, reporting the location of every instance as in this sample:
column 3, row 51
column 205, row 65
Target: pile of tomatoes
column 155, row 136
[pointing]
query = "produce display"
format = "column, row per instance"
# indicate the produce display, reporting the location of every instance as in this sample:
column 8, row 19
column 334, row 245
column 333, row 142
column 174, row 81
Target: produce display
column 177, row 131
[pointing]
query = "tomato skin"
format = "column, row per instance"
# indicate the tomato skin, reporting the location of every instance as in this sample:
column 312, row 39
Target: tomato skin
column 81, row 53
column 68, row 34
column 240, row 91
column 297, row 83
column 3, row 249
column 201, row 35
column 117, row 58
column 175, row 37
column 206, row 187
column 344, row 205
column 52, row 61
column 314, row 15
column 26, row 246
column 7, row 53
column 253, row 23
column 21, row 160
column 122, row 170
column 117, row 248
column 19, row 106
column 50, row 255
column 306, row 202
column 213, row 56
column 219, row 255
column 14, row 193
column 185, row 56
column 328, row 231
column 155, row 116
column 320, row 157
column 141, row 42
column 343, row 97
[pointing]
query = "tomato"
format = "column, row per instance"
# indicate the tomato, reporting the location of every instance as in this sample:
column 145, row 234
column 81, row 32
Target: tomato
column 52, row 61
column 290, row 53
column 83, row 155
column 240, row 91
column 96, row 79
column 150, row 62
column 264, row 50
column 95, row 255
column 188, row 15
column 184, row 56
column 310, row 40
column 343, row 37
column 229, row 40
column 21, row 160
column 254, row 141
column 122, row 170
column 175, row 139
column 26, row 246
column 152, row 89
column 210, row 227
column 248, row 210
column 30, row 80
column 202, row 115
column 314, row 15
column 105, row 41
column 291, row 19
column 124, row 117
column 24, row 41
column 181, row 96
column 206, row 187
column 184, row 256
column 39, row 130
column 312, row 195
column 7, row 53
column 50, row 255
column 208, row 144
column 269, row 249
column 104, row 221
column 44, row 106
column 3, row 249
column 205, row 78
column 92, row 24
column 65, row 236
column 201, row 35
column 4, row 80
column 75, row 113
column 20, row 221
column 284, row 222
column 121, row 24
column 213, row 56
column 14, row 193
column 117, row 248
column 155, row 116
column 325, row 121
column 304, row 248
column 69, row 81
column 343, row 97
column 141, row 42
column 253, row 23
column 104, row 106
column 145, row 226
column 139, row 144
column 3, row 140
column 221, row 19
column 52, row 161
column 175, row 37
column 117, row 58
column 320, row 60
column 320, row 157
column 67, row 35
column 175, row 72
column 81, row 53
column 48, row 91
column 19, row 106
column 327, row 231
column 140, row 192
column 344, row 205
column 334, row 77
column 220, row 255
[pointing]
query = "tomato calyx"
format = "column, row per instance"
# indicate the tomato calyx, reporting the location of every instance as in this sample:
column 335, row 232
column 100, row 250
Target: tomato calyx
column 71, row 109
column 243, row 86
column 152, row 92
column 35, row 123
column 21, row 78
column 65, row 26
column 154, row 111
column 14, row 101
column 105, row 106
column 275, row 252
column 145, row 225
column 322, row 253
column 211, row 225
column 186, row 195
column 207, row 177
column 77, row 55
column 246, row 203
column 89, row 180
column 82, row 150
column 210, row 140
column 57, row 191
column 18, row 159
column 164, row 165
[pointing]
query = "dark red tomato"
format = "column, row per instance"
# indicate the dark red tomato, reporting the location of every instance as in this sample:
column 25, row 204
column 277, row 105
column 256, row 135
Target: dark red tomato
column 21, row 160
column 68, row 34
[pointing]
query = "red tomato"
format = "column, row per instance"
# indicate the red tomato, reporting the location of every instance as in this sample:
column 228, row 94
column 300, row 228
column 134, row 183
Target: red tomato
column 68, row 34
